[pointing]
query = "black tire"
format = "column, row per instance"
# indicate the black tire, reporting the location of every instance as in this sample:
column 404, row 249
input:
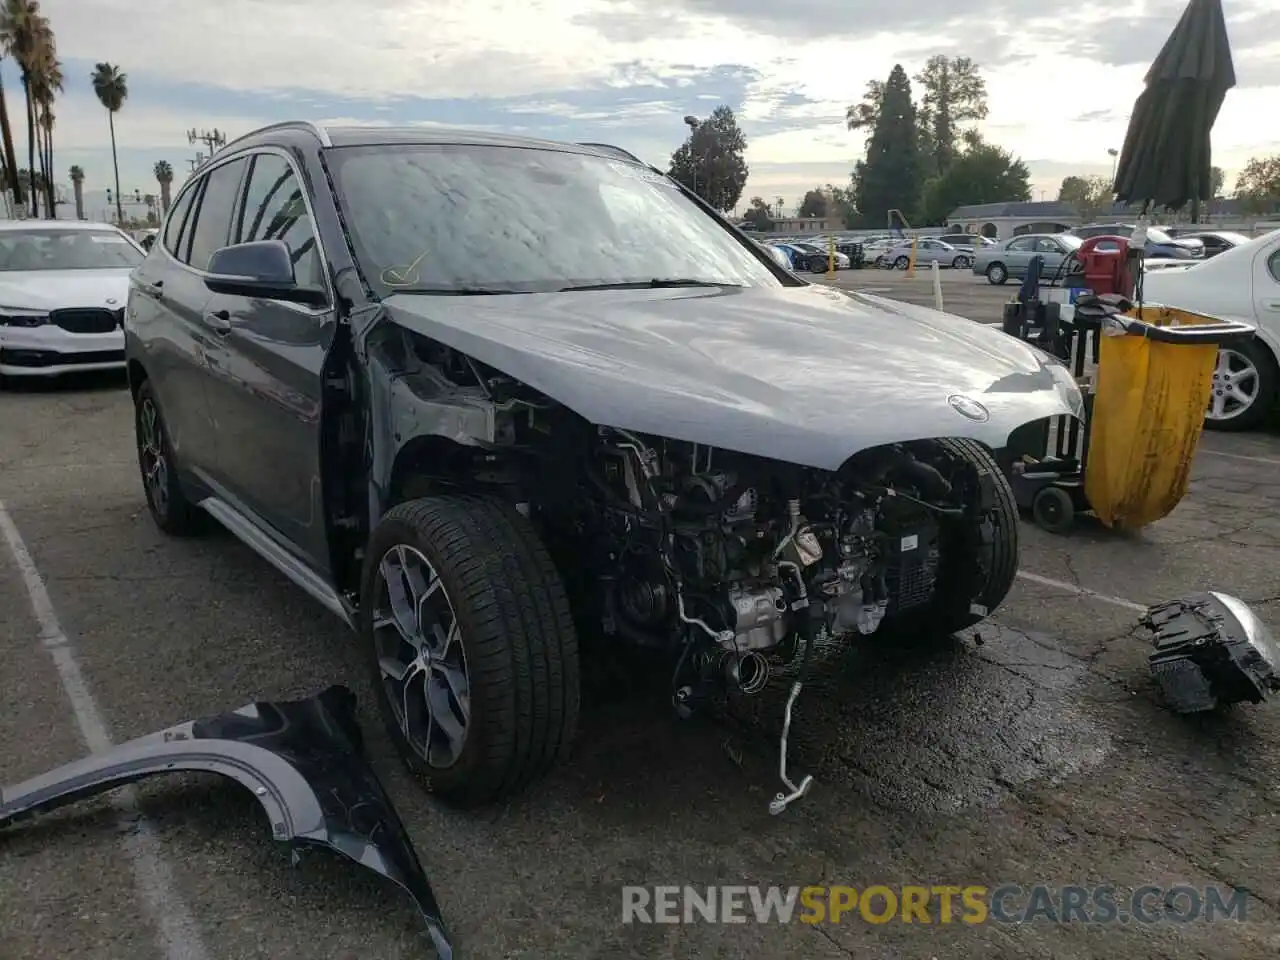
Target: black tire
column 997, row 274
column 818, row 265
column 1268, row 390
column 902, row 263
column 1053, row 510
column 166, row 500
column 517, row 635
column 959, row 605
column 958, row 612
column 960, row 263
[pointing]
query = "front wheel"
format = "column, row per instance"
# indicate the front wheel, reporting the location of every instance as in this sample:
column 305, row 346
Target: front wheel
column 817, row 265
column 978, row 567
column 472, row 646
column 960, row 263
column 1244, row 387
column 997, row 274
column 901, row 263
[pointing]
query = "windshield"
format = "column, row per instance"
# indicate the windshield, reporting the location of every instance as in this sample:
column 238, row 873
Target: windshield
column 1158, row 236
column 49, row 248
column 486, row 219
column 1069, row 241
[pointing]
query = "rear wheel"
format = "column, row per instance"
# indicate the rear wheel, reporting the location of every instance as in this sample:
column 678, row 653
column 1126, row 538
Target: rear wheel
column 901, row 263
column 1244, row 387
column 170, row 509
column 471, row 645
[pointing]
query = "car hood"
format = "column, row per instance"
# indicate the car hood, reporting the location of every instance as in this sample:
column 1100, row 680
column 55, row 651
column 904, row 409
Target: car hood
column 805, row 375
column 59, row 289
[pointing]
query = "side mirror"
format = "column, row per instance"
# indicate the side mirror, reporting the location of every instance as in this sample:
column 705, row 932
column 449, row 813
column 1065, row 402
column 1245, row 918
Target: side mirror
column 261, row 268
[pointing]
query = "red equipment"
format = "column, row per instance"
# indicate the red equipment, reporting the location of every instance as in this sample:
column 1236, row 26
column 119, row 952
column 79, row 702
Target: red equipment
column 1108, row 270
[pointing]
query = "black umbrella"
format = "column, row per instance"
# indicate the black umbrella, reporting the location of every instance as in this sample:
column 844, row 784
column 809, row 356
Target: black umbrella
column 1166, row 157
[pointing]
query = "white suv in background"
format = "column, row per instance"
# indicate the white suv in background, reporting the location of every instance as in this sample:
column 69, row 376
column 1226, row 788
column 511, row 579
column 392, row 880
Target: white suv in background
column 63, row 287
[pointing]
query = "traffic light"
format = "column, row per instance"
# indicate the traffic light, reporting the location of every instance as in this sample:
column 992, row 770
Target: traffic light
column 108, row 194
column 137, row 196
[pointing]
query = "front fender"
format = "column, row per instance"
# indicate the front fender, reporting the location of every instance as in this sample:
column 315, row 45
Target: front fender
column 300, row 759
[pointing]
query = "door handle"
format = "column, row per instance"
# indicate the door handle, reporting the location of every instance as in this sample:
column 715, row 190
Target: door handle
column 1271, row 304
column 219, row 321
column 151, row 289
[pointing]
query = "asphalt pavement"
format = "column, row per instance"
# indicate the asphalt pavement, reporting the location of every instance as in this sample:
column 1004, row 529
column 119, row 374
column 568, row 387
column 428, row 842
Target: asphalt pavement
column 962, row 292
column 1035, row 751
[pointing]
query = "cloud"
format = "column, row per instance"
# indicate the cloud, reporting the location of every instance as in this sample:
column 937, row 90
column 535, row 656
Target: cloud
column 627, row 71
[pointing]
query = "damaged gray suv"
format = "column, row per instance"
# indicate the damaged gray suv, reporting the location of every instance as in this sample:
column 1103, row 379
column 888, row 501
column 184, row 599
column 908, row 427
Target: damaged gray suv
column 483, row 395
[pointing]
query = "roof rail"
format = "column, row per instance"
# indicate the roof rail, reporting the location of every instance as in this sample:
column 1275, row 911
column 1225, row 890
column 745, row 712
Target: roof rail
column 616, row 151
column 315, row 130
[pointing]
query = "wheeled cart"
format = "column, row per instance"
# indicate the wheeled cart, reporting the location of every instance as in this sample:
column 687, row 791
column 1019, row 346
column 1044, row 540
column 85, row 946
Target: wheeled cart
column 1146, row 374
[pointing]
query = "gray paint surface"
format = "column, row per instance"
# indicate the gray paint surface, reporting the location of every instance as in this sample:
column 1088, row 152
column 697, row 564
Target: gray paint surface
column 805, row 375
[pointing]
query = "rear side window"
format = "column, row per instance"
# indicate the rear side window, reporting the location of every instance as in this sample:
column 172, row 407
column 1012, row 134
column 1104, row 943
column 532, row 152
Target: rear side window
column 213, row 217
column 275, row 209
column 1273, row 266
column 173, row 226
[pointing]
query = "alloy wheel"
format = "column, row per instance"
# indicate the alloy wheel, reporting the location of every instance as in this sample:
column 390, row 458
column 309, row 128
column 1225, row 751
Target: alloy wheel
column 1234, row 386
column 155, row 465
column 421, row 657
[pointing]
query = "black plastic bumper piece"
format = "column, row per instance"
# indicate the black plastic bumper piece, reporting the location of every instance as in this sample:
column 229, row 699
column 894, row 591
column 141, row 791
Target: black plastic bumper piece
column 301, row 759
column 1210, row 651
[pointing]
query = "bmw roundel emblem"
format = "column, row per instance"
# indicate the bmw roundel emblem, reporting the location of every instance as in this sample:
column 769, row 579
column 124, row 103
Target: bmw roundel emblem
column 112, row 301
column 968, row 408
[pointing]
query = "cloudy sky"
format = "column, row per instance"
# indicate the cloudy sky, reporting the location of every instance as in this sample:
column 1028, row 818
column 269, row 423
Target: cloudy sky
column 626, row 71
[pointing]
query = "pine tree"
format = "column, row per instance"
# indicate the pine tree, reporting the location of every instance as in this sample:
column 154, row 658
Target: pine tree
column 890, row 177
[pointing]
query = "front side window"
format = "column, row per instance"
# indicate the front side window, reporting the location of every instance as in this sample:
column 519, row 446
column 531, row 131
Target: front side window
column 275, row 209
column 1022, row 243
column 49, row 248
column 457, row 218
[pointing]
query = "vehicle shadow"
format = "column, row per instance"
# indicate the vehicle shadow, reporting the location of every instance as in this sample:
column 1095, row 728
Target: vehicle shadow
column 96, row 381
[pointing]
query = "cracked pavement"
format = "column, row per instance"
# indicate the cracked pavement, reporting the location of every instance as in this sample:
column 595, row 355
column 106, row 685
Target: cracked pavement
column 1034, row 750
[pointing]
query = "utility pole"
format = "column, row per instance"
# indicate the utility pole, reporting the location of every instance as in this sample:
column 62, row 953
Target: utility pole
column 213, row 140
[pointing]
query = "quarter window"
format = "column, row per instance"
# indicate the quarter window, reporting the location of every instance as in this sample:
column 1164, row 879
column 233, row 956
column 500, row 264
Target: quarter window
column 276, row 209
column 213, row 218
column 1273, row 266
column 173, row 225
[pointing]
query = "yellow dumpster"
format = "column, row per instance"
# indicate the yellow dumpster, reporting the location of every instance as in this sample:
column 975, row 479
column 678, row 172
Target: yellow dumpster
column 1155, row 370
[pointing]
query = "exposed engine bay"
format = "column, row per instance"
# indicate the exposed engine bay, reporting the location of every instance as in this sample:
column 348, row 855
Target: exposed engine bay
column 748, row 564
column 742, row 568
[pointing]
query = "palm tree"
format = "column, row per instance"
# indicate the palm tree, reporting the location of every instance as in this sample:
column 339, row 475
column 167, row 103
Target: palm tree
column 46, row 84
column 10, row 157
column 22, row 32
column 77, row 185
column 164, row 177
column 112, row 88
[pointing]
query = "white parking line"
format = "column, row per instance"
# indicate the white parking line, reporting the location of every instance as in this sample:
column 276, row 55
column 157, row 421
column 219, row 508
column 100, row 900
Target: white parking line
column 1082, row 591
column 175, row 926
column 1269, row 461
